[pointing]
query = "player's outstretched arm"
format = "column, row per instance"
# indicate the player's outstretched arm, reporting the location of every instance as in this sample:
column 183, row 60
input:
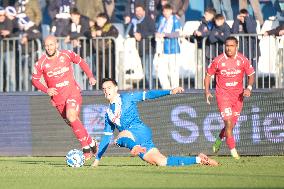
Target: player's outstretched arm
column 177, row 90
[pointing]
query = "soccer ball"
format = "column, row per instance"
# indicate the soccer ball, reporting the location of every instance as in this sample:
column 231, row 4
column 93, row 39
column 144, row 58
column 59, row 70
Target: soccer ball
column 75, row 158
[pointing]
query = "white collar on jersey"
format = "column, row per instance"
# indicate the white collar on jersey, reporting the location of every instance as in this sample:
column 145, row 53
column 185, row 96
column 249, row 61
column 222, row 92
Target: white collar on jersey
column 228, row 57
column 115, row 116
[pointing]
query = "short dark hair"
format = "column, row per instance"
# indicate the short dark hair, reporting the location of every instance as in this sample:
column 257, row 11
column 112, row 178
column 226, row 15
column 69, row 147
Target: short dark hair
column 244, row 11
column 211, row 10
column 109, row 79
column 168, row 7
column 140, row 5
column 75, row 10
column 102, row 15
column 232, row 38
column 219, row 17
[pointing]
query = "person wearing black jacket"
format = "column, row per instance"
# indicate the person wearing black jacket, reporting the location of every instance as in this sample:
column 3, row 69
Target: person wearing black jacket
column 104, row 45
column 142, row 28
column 249, row 46
column 28, row 33
column 218, row 35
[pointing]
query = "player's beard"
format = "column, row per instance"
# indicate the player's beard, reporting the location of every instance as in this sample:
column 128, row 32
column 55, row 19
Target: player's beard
column 50, row 55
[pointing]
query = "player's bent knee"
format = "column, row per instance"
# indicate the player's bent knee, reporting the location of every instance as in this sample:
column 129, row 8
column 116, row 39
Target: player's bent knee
column 124, row 133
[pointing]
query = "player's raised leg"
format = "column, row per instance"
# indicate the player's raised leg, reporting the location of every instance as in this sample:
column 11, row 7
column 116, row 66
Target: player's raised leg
column 86, row 141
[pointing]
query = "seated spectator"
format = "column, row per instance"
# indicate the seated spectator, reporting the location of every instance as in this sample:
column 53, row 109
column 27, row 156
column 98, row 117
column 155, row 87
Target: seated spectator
column 278, row 31
column 104, row 47
column 142, row 29
column 169, row 29
column 248, row 45
column 218, row 35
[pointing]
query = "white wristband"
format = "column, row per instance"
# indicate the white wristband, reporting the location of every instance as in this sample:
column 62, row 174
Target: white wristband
column 249, row 87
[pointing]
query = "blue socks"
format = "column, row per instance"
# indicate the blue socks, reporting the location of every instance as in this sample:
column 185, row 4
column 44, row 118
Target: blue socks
column 180, row 160
column 125, row 142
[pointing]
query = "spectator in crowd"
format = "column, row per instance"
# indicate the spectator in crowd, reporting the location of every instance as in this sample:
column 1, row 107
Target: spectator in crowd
column 31, row 8
column 28, row 33
column 11, row 14
column 227, row 8
column 142, row 29
column 104, row 47
column 218, row 35
column 243, row 4
column 246, row 24
column 6, row 29
column 91, row 8
column 109, row 6
column 80, row 27
column 59, row 11
column 149, row 6
column 278, row 31
column 206, row 25
column 169, row 29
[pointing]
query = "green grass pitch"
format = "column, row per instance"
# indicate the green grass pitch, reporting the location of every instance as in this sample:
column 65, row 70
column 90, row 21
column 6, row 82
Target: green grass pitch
column 128, row 172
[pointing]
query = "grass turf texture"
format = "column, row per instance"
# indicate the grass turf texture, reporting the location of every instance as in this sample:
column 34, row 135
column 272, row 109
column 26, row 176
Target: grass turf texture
column 127, row 172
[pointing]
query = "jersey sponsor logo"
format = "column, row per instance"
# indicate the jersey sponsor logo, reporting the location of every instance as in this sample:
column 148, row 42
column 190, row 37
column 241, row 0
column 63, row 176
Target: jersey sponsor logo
column 231, row 84
column 61, row 59
column 230, row 72
column 62, row 84
column 58, row 73
column 223, row 64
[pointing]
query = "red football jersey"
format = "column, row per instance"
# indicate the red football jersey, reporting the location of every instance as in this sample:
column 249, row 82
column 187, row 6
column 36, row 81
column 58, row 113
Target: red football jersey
column 58, row 73
column 229, row 73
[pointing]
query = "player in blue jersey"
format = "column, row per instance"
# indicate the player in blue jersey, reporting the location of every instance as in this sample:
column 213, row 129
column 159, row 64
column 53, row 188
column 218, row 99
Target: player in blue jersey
column 123, row 115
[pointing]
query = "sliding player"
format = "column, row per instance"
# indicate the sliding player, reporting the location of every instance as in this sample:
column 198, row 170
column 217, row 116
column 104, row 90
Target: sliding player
column 133, row 133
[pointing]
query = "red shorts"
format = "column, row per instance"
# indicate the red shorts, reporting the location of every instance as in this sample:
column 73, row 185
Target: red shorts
column 72, row 102
column 230, row 107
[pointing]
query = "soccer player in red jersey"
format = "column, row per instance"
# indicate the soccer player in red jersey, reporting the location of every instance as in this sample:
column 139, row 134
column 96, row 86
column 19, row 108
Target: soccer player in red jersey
column 229, row 69
column 56, row 67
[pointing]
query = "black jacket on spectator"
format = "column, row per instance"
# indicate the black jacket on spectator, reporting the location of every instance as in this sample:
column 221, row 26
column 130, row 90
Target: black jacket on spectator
column 84, row 28
column 147, row 30
column 247, row 45
column 205, row 28
column 7, row 24
column 217, row 38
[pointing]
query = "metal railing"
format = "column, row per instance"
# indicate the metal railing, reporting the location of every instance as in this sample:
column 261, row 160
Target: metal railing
column 132, row 64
